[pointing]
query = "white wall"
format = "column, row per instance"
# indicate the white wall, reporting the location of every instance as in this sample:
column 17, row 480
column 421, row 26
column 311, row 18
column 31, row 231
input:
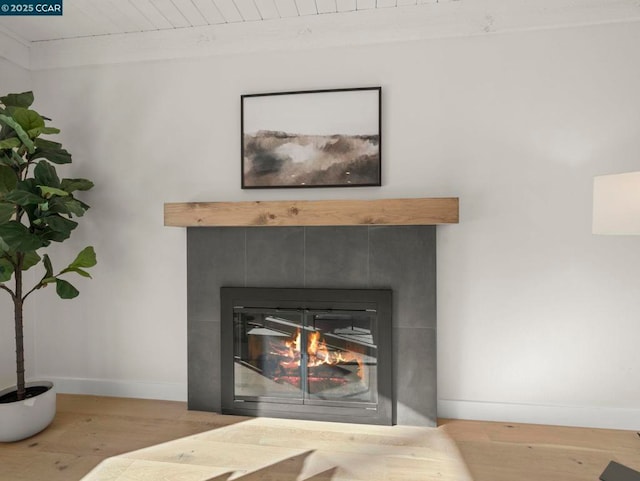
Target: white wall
column 13, row 79
column 538, row 318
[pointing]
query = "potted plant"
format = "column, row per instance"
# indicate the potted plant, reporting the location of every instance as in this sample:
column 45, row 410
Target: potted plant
column 36, row 209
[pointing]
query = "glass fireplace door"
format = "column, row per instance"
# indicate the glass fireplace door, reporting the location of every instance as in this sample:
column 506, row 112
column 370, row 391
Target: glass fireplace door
column 267, row 360
column 305, row 356
column 341, row 356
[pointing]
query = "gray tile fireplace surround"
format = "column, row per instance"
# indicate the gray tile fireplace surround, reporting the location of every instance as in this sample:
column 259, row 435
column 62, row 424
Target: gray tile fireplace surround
column 401, row 258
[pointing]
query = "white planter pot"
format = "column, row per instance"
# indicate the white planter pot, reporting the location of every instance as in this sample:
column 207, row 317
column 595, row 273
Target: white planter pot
column 22, row 419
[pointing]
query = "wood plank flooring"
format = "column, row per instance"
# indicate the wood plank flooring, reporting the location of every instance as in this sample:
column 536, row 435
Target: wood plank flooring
column 527, row 452
column 113, row 439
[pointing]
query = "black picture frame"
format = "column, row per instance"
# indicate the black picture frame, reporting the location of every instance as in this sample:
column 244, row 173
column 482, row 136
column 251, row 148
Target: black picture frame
column 311, row 138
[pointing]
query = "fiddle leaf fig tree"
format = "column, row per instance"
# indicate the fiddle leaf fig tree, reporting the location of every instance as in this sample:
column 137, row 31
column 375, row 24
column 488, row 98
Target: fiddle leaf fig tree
column 36, row 209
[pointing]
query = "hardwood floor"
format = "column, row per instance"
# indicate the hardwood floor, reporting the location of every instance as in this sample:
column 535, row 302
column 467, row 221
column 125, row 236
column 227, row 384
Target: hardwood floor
column 528, row 452
column 114, row 439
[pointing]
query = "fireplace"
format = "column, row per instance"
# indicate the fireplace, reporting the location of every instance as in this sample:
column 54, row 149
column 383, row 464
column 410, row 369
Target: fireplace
column 401, row 259
column 321, row 354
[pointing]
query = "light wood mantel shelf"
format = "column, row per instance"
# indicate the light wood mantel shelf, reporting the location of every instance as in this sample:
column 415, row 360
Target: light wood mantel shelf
column 421, row 211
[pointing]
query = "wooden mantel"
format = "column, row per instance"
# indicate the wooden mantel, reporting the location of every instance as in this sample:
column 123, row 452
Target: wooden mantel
column 422, row 211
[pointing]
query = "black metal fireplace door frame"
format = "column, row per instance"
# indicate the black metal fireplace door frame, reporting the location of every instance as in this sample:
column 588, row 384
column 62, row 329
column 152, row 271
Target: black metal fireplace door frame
column 309, row 301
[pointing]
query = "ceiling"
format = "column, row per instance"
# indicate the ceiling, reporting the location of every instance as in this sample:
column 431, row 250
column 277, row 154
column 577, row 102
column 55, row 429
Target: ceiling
column 92, row 32
column 89, row 18
column 95, row 18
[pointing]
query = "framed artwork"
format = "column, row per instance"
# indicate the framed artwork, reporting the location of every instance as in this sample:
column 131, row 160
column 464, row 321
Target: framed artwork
column 314, row 138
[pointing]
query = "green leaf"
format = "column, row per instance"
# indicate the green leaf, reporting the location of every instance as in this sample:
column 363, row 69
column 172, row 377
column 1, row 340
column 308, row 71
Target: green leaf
column 33, row 133
column 23, row 198
column 71, row 185
column 18, row 238
column 67, row 205
column 24, row 99
column 60, row 224
column 49, row 235
column 47, row 266
column 86, row 258
column 28, row 119
column 47, row 192
column 65, row 290
column 6, row 212
column 45, row 144
column 77, row 270
column 31, row 258
column 24, row 137
column 28, row 185
column 16, row 159
column 7, row 160
column 60, row 156
column 84, row 206
column 10, row 143
column 45, row 174
column 8, row 179
column 6, row 270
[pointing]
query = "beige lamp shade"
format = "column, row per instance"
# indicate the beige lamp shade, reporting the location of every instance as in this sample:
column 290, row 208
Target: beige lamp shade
column 616, row 204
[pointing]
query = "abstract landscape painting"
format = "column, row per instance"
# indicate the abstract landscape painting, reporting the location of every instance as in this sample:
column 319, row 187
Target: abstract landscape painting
column 321, row 138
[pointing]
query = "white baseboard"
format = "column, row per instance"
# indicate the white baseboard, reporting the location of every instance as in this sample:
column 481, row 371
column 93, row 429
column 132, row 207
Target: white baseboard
column 131, row 389
column 589, row 417
column 579, row 416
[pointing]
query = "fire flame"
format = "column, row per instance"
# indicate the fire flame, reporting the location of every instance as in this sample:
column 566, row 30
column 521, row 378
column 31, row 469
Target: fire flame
column 318, row 353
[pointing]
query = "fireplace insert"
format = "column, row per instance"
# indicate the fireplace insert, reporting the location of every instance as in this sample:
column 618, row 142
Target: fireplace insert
column 322, row 354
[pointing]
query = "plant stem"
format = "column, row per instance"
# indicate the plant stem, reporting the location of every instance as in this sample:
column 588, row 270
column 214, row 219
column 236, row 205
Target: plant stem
column 17, row 303
column 37, row 286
